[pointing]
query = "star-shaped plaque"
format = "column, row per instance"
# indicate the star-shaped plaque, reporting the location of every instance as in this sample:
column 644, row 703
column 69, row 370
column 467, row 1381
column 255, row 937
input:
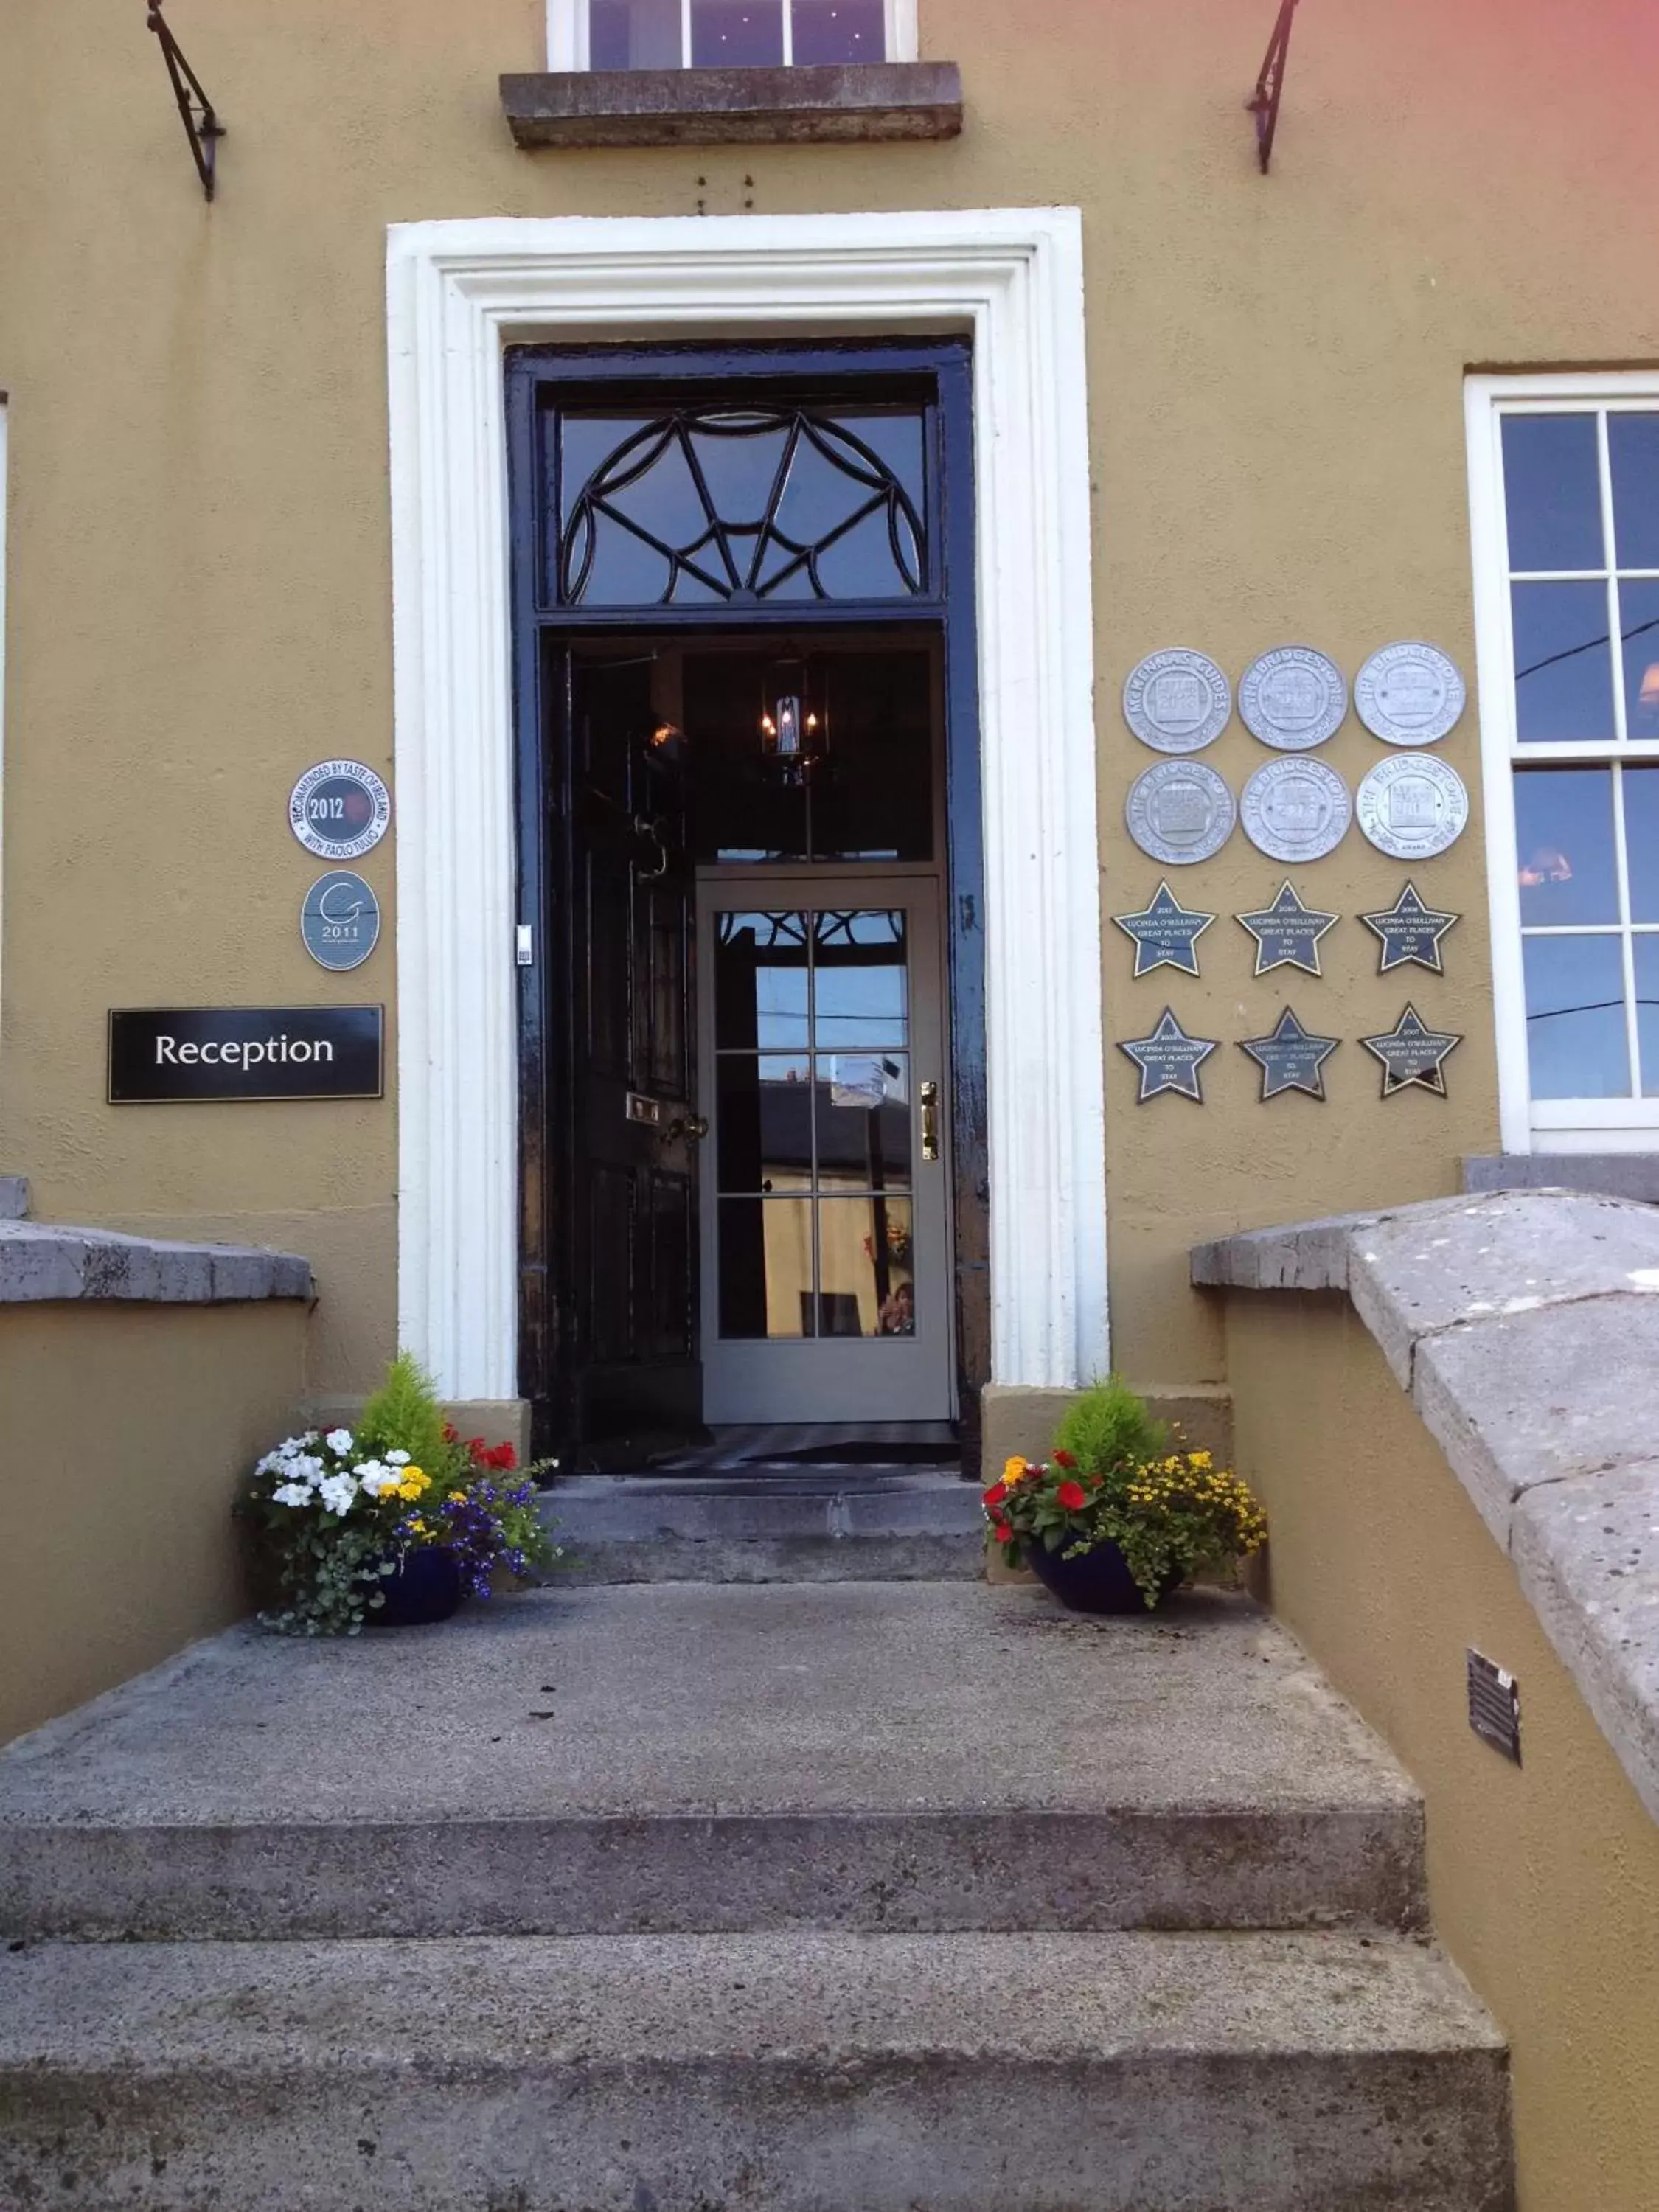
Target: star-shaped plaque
column 1165, row 934
column 1287, row 933
column 1292, row 1059
column 1412, row 1053
column 1168, row 1059
column 1410, row 931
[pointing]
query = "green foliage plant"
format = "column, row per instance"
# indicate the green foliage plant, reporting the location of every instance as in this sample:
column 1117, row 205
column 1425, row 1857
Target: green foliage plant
column 1110, row 1426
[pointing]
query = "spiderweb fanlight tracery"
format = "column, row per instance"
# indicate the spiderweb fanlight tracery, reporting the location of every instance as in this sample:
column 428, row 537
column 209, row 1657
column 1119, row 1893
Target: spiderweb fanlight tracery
column 663, row 520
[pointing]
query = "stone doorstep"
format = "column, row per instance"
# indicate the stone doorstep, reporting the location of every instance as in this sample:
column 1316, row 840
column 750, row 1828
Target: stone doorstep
column 685, row 1756
column 1279, row 2074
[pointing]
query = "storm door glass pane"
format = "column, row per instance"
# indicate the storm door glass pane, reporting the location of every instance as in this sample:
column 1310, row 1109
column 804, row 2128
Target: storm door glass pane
column 864, row 1121
column 764, row 1105
column 1642, row 841
column 1564, row 840
column 861, row 988
column 1576, row 1041
column 766, row 1267
column 1647, row 1011
column 634, row 34
column 839, row 31
column 1552, row 492
column 737, row 34
column 867, row 1266
column 1633, row 451
column 760, row 982
column 1639, row 627
column 1563, row 664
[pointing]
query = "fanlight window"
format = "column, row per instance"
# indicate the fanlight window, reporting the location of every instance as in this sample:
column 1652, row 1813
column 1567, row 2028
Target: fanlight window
column 742, row 505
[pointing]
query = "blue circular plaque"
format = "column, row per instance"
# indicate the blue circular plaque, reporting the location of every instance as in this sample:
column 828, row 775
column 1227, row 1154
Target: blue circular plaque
column 340, row 920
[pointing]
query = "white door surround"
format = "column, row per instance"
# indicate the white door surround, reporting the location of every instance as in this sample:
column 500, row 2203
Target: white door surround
column 458, row 294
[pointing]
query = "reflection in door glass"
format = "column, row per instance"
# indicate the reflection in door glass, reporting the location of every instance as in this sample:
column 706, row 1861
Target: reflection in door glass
column 813, row 1151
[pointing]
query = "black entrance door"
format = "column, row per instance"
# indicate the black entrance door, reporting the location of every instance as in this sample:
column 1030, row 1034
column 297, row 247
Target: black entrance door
column 623, row 933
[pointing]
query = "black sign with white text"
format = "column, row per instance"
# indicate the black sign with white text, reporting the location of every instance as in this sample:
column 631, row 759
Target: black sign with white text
column 169, row 1054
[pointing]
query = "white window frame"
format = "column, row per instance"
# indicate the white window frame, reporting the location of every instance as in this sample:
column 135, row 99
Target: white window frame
column 1546, row 1125
column 568, row 47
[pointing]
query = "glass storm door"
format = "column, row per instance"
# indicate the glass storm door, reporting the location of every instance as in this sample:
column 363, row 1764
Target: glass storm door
column 825, row 1246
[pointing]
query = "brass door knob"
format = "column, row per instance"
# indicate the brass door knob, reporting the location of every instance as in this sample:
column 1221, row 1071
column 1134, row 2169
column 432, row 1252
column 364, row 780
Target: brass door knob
column 930, row 1120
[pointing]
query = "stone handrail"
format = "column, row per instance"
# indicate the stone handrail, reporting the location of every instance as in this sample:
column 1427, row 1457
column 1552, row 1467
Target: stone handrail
column 41, row 1261
column 1526, row 1328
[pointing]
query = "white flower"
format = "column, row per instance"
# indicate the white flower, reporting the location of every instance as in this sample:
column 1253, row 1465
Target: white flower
column 377, row 1478
column 396, row 1458
column 292, row 1493
column 304, row 1468
column 339, row 1441
column 336, row 1492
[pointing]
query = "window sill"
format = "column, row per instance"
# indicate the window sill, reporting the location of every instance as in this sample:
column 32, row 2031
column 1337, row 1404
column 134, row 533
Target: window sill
column 857, row 104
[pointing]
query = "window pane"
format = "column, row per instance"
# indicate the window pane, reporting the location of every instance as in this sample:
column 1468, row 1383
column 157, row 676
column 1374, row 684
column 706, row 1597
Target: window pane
column 636, row 34
column 840, row 31
column 1563, row 664
column 1575, row 1038
column 766, row 1267
column 1633, row 450
column 763, row 1122
column 1639, row 627
column 860, row 995
column 1647, row 1011
column 1564, row 844
column 1642, row 841
column 760, row 982
column 866, row 1267
column 864, row 1121
column 1551, row 490
column 737, row 34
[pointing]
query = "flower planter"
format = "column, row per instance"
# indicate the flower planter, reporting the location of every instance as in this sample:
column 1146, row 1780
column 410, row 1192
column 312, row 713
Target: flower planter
column 1095, row 1582
column 424, row 1587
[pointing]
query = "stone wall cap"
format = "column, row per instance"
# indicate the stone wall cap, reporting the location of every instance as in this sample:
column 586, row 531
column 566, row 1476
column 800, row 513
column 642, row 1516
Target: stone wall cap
column 42, row 1261
column 1525, row 1325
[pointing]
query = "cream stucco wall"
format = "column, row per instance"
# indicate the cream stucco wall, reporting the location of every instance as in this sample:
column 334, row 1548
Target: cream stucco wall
column 199, row 565
column 127, row 1431
column 1543, row 1878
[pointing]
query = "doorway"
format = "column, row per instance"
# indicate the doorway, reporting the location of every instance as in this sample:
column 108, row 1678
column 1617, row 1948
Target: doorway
column 751, row 1063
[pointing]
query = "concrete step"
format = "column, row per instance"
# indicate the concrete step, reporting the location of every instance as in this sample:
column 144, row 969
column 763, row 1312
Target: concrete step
column 693, row 1757
column 804, row 2072
column 777, row 1524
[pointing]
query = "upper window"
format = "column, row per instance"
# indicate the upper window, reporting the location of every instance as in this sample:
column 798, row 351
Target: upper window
column 657, row 35
column 1565, row 481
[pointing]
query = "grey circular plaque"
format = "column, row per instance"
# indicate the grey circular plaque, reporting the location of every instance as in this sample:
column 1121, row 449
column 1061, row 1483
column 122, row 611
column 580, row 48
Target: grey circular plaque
column 340, row 920
column 339, row 808
column 1412, row 806
column 1410, row 694
column 1296, row 810
column 1177, row 702
column 1180, row 811
column 1294, row 698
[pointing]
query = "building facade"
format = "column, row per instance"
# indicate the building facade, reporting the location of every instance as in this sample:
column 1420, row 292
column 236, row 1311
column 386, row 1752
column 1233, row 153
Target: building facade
column 734, row 515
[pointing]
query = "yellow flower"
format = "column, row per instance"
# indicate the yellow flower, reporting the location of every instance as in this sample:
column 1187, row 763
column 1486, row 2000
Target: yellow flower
column 416, row 1474
column 1015, row 1469
column 417, row 1528
column 458, row 1497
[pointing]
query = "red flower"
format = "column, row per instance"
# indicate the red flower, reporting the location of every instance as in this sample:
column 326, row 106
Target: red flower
column 1071, row 1496
column 996, row 1493
column 1064, row 1459
column 1003, row 1532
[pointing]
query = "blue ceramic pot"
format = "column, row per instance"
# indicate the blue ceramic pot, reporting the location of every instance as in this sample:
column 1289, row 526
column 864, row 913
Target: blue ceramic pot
column 424, row 1587
column 1095, row 1582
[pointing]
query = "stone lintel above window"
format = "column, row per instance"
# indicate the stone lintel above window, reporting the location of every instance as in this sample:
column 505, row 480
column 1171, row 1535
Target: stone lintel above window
column 855, row 101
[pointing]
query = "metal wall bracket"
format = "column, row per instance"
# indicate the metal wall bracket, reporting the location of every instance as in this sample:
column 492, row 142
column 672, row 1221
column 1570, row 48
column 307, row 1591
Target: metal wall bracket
column 1263, row 103
column 202, row 126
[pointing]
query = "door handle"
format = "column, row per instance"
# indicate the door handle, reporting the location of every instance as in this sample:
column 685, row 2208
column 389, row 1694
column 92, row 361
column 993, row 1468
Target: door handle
column 930, row 1120
column 693, row 1127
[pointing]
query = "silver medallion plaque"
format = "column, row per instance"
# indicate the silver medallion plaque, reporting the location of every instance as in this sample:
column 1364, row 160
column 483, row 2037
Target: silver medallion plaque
column 1296, row 810
column 340, row 920
column 1410, row 694
column 1180, row 811
column 339, row 810
column 1177, row 702
column 1294, row 698
column 1412, row 806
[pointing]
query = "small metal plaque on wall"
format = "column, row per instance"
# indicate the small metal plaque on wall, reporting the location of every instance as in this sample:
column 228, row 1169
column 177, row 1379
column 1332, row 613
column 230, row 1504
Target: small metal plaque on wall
column 1495, row 1707
column 188, row 1056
